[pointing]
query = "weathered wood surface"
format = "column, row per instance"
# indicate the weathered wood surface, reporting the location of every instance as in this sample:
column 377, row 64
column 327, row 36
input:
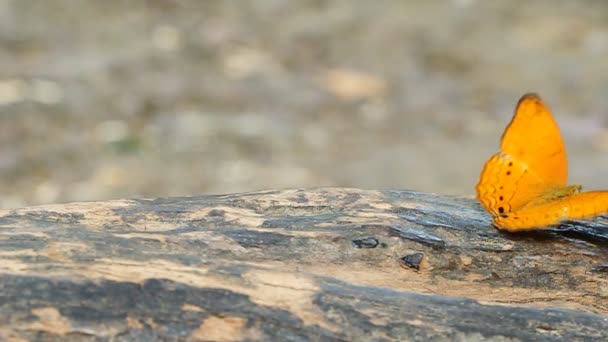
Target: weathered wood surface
column 296, row 265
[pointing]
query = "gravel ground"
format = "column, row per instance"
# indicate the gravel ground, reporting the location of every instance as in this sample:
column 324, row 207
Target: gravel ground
column 114, row 99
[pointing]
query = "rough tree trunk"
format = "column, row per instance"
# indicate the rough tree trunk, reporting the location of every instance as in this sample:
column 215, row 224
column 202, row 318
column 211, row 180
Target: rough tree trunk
column 295, row 265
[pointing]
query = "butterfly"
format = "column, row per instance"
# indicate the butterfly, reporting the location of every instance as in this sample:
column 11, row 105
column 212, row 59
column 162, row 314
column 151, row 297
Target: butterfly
column 524, row 185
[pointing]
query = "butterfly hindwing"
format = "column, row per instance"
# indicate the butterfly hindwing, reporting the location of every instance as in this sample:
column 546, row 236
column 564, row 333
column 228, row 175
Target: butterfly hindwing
column 506, row 184
column 575, row 206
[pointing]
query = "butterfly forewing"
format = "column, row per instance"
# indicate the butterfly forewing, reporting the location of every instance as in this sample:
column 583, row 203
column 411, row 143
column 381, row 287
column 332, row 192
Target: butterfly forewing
column 534, row 139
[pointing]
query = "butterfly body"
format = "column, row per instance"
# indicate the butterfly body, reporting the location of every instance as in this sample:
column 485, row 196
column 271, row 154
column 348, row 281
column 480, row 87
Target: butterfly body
column 524, row 186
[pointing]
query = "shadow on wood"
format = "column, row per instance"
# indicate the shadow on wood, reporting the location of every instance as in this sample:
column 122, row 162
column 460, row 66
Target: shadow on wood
column 318, row 264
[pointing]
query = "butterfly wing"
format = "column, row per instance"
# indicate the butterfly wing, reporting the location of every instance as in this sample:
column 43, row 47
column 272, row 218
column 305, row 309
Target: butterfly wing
column 577, row 206
column 534, row 138
column 532, row 160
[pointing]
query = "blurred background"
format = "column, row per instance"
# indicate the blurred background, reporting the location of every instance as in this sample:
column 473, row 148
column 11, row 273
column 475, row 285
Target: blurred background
column 120, row 99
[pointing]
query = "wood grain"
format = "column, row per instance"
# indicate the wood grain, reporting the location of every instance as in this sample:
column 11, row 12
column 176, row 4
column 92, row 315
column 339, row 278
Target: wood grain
column 296, row 264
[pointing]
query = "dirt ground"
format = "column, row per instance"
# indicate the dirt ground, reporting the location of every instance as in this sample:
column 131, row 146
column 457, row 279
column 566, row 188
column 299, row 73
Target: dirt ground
column 118, row 99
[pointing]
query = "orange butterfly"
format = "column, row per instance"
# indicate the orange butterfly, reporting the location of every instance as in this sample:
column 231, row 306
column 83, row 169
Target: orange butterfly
column 524, row 185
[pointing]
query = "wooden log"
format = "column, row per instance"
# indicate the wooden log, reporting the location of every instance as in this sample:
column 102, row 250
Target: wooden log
column 296, row 265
